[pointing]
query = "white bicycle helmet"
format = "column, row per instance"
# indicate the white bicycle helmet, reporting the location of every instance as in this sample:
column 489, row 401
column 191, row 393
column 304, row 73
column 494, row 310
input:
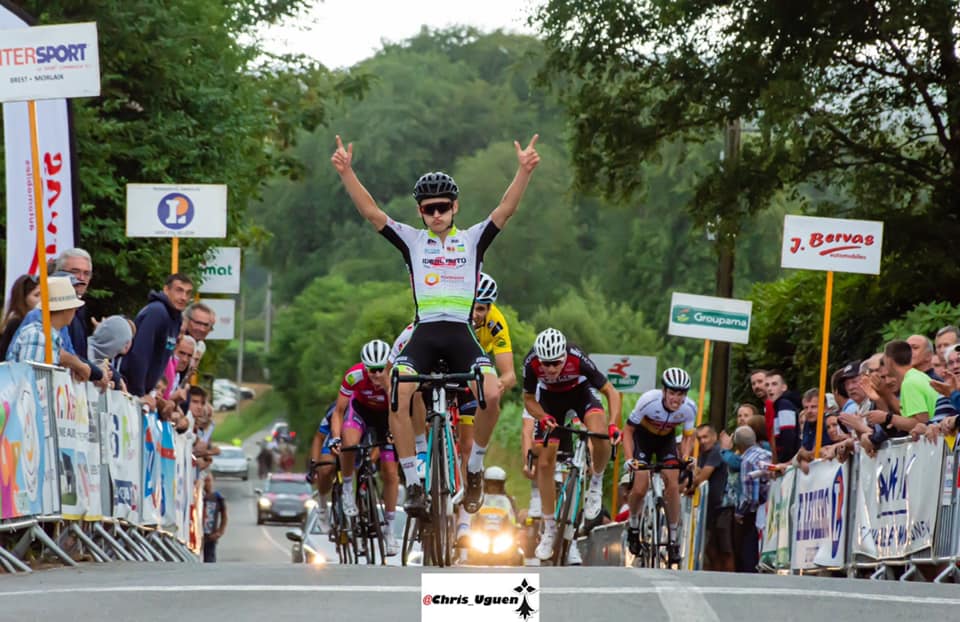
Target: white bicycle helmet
column 486, row 289
column 374, row 353
column 495, row 474
column 550, row 345
column 676, row 379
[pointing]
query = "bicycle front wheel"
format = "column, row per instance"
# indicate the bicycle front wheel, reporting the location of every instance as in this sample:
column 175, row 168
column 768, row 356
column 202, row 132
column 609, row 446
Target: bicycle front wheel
column 566, row 521
column 376, row 520
column 438, row 497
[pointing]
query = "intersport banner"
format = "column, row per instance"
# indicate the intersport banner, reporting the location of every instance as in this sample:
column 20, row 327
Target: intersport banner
column 120, row 426
column 56, row 169
column 897, row 499
column 819, row 531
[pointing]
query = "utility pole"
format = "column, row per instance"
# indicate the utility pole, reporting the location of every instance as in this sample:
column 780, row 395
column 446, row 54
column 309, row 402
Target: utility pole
column 726, row 249
column 268, row 307
column 242, row 344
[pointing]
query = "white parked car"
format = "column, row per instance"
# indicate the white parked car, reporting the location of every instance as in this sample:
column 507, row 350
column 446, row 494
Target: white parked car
column 222, row 401
column 231, row 462
column 229, row 387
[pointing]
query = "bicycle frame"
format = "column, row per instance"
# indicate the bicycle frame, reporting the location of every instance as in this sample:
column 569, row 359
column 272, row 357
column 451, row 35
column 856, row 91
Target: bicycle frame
column 654, row 527
column 369, row 523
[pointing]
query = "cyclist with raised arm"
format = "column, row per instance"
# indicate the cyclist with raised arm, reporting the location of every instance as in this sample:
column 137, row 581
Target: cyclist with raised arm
column 650, row 433
column 362, row 405
column 558, row 377
column 444, row 263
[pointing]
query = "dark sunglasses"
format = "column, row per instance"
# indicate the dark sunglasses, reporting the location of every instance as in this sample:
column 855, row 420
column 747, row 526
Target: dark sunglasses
column 436, row 208
column 552, row 363
column 375, row 370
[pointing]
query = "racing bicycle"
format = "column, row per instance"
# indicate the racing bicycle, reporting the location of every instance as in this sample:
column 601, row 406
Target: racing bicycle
column 366, row 528
column 444, row 483
column 654, row 527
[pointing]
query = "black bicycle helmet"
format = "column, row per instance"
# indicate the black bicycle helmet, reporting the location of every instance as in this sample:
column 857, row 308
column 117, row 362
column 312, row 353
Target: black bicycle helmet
column 435, row 185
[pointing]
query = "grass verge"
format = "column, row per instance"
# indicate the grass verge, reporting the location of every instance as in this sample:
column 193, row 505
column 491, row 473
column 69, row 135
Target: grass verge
column 258, row 415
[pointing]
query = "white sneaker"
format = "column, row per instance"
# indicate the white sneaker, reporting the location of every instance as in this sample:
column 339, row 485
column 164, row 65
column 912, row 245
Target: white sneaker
column 391, row 543
column 545, row 548
column 349, row 506
column 594, row 503
column 573, row 555
column 536, row 508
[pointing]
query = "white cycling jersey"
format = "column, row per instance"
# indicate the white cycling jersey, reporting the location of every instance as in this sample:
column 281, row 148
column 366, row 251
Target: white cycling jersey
column 400, row 343
column 651, row 412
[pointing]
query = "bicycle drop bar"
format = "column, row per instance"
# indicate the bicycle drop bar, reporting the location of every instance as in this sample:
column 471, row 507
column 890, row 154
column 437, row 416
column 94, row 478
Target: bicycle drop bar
column 656, row 468
column 447, row 381
column 577, row 431
column 365, row 446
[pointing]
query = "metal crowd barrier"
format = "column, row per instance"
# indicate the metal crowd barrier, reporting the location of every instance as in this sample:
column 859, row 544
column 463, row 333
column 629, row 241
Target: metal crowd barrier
column 83, row 473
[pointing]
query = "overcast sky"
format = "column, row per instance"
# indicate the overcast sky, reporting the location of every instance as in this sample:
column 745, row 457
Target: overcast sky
column 339, row 33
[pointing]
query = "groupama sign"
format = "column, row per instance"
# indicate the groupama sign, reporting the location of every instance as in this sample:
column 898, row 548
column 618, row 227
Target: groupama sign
column 708, row 317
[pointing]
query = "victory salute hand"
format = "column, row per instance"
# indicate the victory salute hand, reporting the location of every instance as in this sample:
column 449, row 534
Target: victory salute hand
column 528, row 158
column 342, row 158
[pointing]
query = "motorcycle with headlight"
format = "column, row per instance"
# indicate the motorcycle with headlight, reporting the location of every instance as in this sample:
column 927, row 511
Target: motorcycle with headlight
column 493, row 535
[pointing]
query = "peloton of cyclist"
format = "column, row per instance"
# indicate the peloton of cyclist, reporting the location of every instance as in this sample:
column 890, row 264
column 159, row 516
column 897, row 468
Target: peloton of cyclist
column 362, row 405
column 650, row 432
column 559, row 377
column 444, row 263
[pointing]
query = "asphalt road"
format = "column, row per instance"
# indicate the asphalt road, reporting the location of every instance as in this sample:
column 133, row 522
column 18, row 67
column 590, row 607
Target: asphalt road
column 255, row 580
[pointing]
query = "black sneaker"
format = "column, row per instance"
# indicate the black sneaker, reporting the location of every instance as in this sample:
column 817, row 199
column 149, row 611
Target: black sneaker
column 473, row 497
column 633, row 540
column 673, row 554
column 415, row 504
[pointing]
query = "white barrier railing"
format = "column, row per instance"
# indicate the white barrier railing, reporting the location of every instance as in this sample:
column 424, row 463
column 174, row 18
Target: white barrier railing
column 87, row 461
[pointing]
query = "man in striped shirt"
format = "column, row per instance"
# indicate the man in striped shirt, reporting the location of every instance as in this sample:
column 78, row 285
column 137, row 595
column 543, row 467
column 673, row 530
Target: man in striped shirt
column 31, row 341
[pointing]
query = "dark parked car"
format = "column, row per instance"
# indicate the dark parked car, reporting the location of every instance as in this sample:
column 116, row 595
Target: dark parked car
column 285, row 497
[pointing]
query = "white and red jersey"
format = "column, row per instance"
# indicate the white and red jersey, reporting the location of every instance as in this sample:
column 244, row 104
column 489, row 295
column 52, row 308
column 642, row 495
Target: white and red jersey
column 358, row 386
column 577, row 369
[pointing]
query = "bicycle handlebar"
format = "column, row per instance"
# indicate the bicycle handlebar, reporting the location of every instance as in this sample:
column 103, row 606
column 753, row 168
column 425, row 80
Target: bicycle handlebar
column 447, row 381
column 365, row 446
column 577, row 431
column 656, row 468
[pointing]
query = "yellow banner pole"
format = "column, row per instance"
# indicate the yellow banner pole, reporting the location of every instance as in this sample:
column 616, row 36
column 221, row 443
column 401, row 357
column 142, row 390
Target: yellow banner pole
column 824, row 351
column 41, row 240
column 175, row 256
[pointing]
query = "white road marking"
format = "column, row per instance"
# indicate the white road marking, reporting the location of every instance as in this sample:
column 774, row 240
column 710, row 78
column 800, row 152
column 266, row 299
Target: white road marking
column 682, row 603
column 668, row 588
column 283, row 549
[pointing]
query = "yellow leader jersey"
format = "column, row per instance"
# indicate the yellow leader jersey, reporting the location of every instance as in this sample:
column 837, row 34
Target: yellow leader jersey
column 494, row 335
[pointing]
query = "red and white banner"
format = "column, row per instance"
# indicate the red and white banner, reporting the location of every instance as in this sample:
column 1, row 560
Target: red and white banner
column 55, row 167
column 837, row 244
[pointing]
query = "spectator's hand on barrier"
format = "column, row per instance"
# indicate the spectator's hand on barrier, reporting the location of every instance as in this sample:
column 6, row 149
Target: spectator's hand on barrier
column 726, row 441
column 828, row 453
column 854, row 422
column 150, row 402
column 877, row 417
column 866, row 445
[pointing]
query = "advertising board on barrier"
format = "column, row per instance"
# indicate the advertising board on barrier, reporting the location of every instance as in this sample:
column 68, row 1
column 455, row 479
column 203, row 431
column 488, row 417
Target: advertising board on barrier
column 79, row 476
column 819, row 530
column 22, row 443
column 775, row 549
column 121, row 422
column 152, row 488
column 897, row 499
column 183, row 490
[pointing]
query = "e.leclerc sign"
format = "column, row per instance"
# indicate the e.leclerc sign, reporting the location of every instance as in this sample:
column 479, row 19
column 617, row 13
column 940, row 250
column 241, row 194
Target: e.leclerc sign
column 836, row 244
column 708, row 317
column 176, row 211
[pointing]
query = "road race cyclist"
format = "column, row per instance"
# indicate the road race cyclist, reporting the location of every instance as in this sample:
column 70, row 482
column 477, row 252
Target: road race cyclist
column 444, row 263
column 322, row 469
column 649, row 433
column 493, row 333
column 558, row 377
column 362, row 405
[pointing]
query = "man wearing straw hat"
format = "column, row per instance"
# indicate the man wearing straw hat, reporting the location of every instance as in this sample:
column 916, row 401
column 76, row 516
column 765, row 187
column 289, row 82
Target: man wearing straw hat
column 30, row 342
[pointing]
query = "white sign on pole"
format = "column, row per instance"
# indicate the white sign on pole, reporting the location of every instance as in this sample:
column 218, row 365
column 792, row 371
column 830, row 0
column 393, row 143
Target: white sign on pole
column 708, row 317
column 897, row 495
column 819, row 532
column 628, row 373
column 836, row 244
column 49, row 62
column 221, row 272
column 176, row 211
column 225, row 310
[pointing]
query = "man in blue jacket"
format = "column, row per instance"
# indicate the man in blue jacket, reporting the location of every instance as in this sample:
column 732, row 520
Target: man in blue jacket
column 158, row 326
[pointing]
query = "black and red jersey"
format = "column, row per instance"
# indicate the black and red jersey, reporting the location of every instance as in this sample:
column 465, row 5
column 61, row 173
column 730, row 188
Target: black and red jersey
column 576, row 370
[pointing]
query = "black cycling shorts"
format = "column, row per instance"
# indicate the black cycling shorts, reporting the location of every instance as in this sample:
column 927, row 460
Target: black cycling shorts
column 453, row 342
column 563, row 405
column 647, row 445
